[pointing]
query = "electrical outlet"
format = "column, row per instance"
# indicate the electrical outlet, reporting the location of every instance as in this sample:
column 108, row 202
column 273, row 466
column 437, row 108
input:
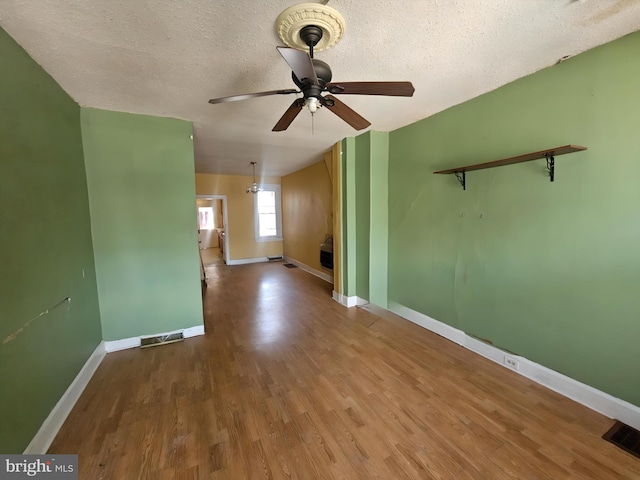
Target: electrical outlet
column 511, row 362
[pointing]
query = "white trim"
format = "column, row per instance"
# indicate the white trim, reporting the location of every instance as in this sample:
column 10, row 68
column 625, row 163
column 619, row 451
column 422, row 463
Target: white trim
column 124, row 344
column 348, row 301
column 586, row 395
column 133, row 342
column 49, row 429
column 442, row 329
column 244, row 261
column 193, row 331
column 324, row 276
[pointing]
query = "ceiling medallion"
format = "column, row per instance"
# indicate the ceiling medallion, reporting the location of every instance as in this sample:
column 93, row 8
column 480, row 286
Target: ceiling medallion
column 293, row 19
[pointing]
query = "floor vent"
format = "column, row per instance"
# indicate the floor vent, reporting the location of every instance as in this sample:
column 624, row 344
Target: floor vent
column 625, row 437
column 275, row 258
column 161, row 339
column 290, row 265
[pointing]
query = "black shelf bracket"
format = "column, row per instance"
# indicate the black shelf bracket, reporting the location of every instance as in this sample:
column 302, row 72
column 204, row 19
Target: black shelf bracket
column 551, row 165
column 462, row 178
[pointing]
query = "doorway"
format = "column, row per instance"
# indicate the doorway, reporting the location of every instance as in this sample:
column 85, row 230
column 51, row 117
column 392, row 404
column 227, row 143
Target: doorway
column 213, row 239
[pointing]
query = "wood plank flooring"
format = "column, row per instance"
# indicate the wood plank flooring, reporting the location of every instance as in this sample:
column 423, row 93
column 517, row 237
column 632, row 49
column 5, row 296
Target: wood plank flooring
column 287, row 384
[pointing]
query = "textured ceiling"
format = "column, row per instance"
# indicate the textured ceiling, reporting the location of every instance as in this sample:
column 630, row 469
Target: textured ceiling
column 168, row 57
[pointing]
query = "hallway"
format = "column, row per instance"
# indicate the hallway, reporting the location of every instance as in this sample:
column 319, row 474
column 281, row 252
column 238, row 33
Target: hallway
column 211, row 256
column 287, row 383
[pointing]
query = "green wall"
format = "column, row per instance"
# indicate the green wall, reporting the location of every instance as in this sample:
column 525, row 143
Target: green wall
column 363, row 212
column 550, row 271
column 366, row 168
column 379, row 218
column 140, row 174
column 45, row 247
column 349, row 230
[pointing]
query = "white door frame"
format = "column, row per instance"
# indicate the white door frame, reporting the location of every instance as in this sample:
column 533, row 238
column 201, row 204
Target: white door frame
column 225, row 220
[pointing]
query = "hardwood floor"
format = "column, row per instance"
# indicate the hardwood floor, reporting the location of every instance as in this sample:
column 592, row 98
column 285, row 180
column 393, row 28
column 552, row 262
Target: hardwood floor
column 287, row 383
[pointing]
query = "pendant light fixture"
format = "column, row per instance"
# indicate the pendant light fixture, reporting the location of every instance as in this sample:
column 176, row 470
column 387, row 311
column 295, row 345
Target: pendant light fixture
column 254, row 188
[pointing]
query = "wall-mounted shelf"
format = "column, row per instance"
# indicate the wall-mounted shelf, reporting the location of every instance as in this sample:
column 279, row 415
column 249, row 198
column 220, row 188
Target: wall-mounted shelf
column 549, row 154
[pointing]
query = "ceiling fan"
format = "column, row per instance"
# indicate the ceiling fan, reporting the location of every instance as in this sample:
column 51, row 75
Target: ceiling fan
column 313, row 78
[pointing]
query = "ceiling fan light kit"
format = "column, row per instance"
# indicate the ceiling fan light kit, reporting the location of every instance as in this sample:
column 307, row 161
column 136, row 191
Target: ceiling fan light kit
column 312, row 104
column 317, row 27
column 254, row 188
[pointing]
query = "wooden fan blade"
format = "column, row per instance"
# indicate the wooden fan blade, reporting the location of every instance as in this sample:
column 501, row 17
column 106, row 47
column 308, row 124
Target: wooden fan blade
column 345, row 113
column 392, row 89
column 301, row 64
column 235, row 98
column 289, row 116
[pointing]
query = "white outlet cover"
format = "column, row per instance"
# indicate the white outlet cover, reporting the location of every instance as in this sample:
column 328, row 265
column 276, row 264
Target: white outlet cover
column 511, row 363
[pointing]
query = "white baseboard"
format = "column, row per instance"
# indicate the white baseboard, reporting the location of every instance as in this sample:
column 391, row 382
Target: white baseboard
column 244, row 261
column 442, row 329
column 348, row 301
column 125, row 343
column 49, row 429
column 584, row 394
column 134, row 342
column 193, row 331
column 324, row 276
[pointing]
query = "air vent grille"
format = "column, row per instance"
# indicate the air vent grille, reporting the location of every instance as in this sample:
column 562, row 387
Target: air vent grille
column 625, row 437
column 161, row 339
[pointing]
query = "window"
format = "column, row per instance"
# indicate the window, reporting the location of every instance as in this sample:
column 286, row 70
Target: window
column 268, row 223
column 205, row 218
